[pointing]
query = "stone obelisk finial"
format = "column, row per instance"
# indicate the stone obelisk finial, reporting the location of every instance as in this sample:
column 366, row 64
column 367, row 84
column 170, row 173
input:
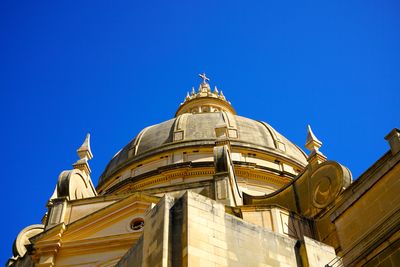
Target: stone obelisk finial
column 313, row 144
column 85, row 154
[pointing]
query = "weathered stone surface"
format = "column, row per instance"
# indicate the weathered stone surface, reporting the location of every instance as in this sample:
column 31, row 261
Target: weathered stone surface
column 134, row 256
column 370, row 215
column 196, row 231
column 316, row 254
column 201, row 128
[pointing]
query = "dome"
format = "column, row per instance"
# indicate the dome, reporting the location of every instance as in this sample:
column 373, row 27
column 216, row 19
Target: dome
column 202, row 120
column 199, row 129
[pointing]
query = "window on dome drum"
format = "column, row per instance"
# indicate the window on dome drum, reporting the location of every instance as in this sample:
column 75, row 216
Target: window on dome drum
column 137, row 224
column 206, row 109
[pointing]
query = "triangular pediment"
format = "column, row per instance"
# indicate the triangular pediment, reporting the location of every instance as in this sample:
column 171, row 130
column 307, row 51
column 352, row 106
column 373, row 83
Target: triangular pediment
column 111, row 221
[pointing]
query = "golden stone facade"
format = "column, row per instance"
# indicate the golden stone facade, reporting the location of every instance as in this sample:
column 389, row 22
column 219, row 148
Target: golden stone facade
column 212, row 188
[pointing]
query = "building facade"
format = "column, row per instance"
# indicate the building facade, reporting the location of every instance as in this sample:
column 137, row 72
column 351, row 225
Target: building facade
column 212, row 188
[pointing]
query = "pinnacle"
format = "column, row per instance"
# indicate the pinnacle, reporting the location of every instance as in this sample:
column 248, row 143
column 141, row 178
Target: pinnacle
column 84, row 150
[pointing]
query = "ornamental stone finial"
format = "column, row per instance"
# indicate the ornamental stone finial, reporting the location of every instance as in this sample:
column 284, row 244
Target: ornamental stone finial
column 216, row 91
column 85, row 154
column 312, row 142
column 221, row 95
column 84, row 150
column 72, row 184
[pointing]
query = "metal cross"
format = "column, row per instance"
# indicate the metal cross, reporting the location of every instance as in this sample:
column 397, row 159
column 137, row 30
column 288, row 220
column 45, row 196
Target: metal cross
column 204, row 77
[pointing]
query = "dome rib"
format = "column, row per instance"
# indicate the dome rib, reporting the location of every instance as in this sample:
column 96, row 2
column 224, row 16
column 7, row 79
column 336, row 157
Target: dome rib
column 271, row 131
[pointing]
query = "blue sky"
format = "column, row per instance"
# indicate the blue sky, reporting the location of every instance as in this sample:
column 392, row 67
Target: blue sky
column 113, row 67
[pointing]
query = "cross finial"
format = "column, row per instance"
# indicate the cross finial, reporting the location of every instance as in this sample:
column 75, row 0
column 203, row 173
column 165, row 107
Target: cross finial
column 204, row 77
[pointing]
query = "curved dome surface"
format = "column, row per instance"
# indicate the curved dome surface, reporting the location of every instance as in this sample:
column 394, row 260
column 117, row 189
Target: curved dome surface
column 189, row 130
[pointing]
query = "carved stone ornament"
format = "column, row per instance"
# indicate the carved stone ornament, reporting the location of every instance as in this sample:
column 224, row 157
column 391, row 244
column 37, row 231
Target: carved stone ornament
column 74, row 184
column 327, row 182
column 317, row 187
column 19, row 247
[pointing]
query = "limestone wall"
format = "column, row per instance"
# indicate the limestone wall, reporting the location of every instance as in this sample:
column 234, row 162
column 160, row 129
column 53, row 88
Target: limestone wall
column 193, row 230
column 219, row 239
column 134, row 256
column 278, row 220
column 371, row 219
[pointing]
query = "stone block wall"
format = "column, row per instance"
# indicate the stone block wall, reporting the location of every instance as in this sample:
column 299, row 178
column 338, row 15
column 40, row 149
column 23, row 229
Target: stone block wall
column 370, row 220
column 134, row 256
column 390, row 257
column 219, row 239
column 194, row 230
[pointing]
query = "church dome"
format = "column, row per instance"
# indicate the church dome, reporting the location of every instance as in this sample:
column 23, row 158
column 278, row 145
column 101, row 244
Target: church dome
column 200, row 122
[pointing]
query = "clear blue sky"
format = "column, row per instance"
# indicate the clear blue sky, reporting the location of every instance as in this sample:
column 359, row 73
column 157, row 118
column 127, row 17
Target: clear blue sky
column 113, row 67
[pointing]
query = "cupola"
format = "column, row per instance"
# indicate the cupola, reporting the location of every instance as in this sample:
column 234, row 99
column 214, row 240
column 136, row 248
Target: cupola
column 205, row 100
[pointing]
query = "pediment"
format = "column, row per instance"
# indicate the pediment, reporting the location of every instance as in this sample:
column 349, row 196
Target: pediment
column 112, row 220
